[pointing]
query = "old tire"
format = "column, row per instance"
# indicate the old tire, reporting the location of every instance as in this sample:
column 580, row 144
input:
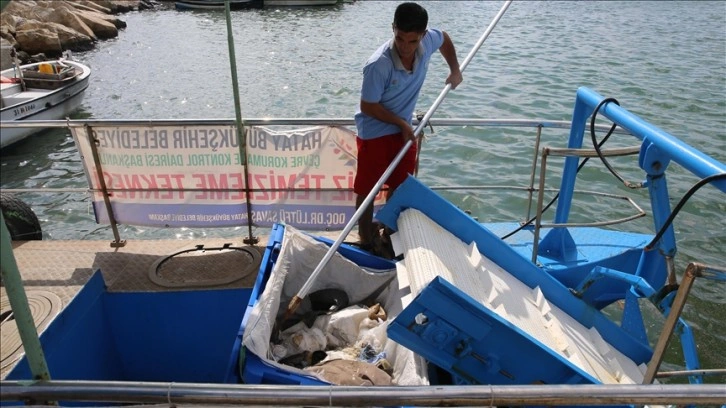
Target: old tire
column 20, row 219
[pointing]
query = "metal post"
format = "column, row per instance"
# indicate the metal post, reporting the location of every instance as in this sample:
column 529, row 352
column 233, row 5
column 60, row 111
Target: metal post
column 21, row 309
column 687, row 373
column 118, row 242
column 242, row 140
column 349, row 396
column 671, row 268
column 533, row 173
column 693, row 271
column 540, row 205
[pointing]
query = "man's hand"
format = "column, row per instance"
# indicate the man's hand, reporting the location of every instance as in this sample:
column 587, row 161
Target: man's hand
column 455, row 78
column 407, row 133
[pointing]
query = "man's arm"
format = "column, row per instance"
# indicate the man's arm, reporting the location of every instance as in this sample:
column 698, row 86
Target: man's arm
column 448, row 51
column 377, row 111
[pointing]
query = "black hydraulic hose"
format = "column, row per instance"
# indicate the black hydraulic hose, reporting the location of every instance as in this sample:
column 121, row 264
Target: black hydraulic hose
column 597, row 147
column 581, row 165
column 680, row 205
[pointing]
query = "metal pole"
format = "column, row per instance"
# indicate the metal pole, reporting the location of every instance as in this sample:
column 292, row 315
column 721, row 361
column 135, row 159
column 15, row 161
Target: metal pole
column 239, row 124
column 688, row 373
column 532, row 174
column 693, row 270
column 540, row 204
column 93, row 142
column 295, row 301
column 16, row 63
column 289, row 395
column 20, row 308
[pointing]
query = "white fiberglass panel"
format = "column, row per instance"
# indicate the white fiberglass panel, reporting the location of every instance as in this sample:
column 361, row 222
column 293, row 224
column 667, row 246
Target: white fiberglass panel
column 429, row 251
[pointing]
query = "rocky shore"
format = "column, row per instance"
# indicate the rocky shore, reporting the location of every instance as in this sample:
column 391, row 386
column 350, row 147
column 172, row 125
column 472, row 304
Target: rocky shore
column 40, row 29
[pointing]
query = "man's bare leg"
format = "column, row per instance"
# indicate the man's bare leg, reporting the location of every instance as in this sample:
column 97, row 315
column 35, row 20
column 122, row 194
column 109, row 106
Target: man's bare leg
column 365, row 222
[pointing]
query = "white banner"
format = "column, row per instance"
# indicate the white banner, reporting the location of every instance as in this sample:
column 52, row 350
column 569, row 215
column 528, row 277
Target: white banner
column 193, row 176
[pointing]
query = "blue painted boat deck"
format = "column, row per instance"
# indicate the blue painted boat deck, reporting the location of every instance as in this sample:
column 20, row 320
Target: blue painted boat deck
column 594, row 247
column 593, row 244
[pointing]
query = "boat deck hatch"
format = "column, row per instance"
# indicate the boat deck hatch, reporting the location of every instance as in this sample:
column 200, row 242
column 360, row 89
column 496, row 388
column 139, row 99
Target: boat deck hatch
column 44, row 306
column 206, row 267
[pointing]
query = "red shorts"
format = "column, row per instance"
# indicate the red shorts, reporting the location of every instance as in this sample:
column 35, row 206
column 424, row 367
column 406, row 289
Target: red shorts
column 374, row 157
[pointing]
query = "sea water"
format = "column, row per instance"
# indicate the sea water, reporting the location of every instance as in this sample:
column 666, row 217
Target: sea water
column 664, row 61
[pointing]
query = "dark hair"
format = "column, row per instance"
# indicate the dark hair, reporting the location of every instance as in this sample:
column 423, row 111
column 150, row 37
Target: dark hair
column 410, row 17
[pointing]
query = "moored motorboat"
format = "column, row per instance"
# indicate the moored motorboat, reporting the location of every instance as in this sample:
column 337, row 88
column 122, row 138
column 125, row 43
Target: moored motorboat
column 40, row 91
column 216, row 4
column 299, row 3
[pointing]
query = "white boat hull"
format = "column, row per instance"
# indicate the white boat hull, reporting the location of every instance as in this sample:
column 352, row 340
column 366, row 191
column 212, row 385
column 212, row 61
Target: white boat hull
column 215, row 4
column 291, row 3
column 39, row 104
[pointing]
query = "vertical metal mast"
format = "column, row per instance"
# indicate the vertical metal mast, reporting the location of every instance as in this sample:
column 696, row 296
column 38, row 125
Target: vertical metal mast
column 20, row 307
column 242, row 141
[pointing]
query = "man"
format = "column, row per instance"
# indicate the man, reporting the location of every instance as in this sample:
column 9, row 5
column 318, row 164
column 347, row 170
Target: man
column 392, row 79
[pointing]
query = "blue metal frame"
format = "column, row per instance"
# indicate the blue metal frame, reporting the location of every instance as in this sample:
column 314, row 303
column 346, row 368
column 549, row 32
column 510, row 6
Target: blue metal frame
column 659, row 149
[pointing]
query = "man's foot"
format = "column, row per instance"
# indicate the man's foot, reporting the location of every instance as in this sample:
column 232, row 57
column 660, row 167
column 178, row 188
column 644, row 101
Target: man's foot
column 382, row 245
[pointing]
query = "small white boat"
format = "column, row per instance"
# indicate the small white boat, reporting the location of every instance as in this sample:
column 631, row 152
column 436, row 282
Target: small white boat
column 299, row 3
column 216, row 4
column 41, row 91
